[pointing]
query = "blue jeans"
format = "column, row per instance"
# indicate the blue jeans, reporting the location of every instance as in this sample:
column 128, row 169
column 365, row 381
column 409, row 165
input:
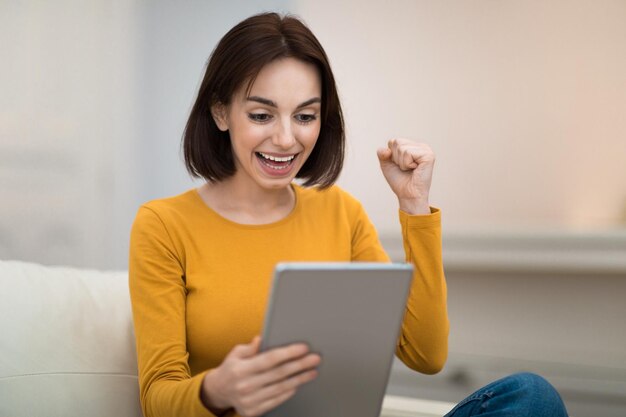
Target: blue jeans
column 518, row 395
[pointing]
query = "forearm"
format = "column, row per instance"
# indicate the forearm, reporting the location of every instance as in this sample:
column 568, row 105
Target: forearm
column 165, row 398
column 423, row 343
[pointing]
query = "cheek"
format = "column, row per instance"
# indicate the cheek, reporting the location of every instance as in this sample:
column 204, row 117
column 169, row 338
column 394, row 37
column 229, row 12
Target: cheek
column 247, row 136
column 310, row 135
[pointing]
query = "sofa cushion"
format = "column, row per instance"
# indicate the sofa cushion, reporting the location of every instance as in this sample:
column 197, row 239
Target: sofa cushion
column 67, row 346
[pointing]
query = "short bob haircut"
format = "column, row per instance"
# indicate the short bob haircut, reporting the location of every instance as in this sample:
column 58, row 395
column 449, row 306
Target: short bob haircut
column 236, row 61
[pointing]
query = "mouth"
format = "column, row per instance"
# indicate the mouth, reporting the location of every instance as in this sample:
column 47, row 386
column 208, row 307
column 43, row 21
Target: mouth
column 275, row 162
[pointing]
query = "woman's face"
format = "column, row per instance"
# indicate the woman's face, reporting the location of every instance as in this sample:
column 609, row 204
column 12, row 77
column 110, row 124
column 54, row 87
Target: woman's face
column 274, row 127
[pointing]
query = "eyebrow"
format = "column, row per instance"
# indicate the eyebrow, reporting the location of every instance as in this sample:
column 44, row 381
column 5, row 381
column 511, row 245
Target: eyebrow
column 273, row 104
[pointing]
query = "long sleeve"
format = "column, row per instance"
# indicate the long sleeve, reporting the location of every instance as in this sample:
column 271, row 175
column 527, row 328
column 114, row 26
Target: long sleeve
column 423, row 342
column 157, row 288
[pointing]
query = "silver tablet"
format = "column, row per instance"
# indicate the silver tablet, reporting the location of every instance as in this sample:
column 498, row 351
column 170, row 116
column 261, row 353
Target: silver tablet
column 349, row 313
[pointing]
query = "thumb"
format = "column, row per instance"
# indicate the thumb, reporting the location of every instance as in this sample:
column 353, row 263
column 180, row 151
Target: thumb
column 247, row 350
column 384, row 154
column 256, row 343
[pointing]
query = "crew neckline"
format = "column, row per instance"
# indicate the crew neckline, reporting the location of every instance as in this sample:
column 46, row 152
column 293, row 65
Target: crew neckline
column 296, row 189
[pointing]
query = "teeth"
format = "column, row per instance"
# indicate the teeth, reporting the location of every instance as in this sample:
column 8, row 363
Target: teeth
column 277, row 158
column 275, row 167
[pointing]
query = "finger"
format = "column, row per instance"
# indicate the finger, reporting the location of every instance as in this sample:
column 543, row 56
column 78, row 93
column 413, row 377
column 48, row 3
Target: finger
column 274, row 357
column 408, row 155
column 294, row 382
column 269, row 404
column 395, row 149
column 408, row 158
column 284, row 377
column 271, row 393
column 286, row 370
column 392, row 143
column 384, row 154
column 399, row 155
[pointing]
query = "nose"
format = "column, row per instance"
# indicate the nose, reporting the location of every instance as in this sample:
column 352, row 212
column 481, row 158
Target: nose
column 284, row 137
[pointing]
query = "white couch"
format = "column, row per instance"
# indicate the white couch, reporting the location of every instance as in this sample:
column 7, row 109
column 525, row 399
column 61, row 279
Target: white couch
column 67, row 346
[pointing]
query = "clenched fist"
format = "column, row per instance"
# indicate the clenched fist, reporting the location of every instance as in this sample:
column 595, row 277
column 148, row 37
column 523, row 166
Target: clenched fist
column 408, row 168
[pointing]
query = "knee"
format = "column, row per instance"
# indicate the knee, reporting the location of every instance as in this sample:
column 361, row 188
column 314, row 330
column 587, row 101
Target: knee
column 532, row 383
column 539, row 393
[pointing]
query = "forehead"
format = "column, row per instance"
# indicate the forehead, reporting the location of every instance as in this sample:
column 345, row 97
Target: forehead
column 284, row 80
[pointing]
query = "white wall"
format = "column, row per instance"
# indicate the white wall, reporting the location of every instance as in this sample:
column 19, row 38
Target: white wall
column 523, row 102
column 175, row 41
column 94, row 97
column 67, row 130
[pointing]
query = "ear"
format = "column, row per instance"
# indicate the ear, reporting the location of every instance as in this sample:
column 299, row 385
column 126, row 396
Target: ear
column 220, row 113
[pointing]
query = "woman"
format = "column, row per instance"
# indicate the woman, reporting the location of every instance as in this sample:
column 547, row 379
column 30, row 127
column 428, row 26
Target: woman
column 267, row 113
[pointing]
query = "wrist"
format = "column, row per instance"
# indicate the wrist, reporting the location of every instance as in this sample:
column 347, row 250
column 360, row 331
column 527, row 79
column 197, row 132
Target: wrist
column 207, row 395
column 414, row 206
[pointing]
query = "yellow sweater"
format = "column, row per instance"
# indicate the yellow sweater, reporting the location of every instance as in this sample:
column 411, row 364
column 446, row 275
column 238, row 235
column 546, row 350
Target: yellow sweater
column 199, row 284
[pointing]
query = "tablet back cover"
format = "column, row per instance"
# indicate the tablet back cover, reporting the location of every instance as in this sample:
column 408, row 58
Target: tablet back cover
column 349, row 313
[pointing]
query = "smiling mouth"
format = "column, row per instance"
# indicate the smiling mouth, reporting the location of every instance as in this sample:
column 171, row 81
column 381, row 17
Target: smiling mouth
column 276, row 162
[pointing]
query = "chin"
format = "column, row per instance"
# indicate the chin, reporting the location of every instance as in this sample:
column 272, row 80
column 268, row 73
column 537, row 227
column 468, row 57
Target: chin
column 276, row 184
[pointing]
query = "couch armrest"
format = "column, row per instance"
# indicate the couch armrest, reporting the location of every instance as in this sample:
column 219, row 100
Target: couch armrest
column 395, row 406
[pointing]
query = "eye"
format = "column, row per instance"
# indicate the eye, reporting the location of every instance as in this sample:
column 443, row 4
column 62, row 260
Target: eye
column 259, row 117
column 305, row 118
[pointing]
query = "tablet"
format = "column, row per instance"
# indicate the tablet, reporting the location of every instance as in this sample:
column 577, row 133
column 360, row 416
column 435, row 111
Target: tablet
column 349, row 313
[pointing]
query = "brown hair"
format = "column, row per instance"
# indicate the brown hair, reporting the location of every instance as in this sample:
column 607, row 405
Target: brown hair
column 238, row 58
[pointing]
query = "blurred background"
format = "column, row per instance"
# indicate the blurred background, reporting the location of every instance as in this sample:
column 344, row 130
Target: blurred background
column 524, row 104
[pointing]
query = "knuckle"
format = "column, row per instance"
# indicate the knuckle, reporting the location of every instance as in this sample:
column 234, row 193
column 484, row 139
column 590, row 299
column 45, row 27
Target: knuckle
column 274, row 356
column 285, row 370
column 284, row 386
column 238, row 349
column 238, row 371
column 246, row 403
column 243, row 388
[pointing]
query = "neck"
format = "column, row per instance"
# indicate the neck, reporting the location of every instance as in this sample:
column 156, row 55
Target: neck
column 248, row 203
